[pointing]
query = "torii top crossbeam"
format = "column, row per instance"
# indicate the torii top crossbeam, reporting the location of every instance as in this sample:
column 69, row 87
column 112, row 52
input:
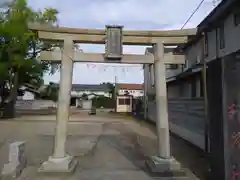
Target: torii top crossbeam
column 97, row 36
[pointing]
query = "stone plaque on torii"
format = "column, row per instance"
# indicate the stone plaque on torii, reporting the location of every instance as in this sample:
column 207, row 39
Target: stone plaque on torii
column 113, row 37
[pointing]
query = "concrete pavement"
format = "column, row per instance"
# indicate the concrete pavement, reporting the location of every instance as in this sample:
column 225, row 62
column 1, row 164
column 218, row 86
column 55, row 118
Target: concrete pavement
column 106, row 147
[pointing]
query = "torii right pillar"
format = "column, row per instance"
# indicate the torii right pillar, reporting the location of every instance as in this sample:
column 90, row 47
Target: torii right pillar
column 163, row 163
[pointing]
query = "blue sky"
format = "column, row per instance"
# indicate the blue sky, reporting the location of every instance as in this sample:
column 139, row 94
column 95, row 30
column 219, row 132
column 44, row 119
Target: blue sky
column 132, row 14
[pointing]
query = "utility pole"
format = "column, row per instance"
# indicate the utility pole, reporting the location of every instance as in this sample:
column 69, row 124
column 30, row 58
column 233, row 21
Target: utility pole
column 115, row 92
column 115, row 89
column 204, row 79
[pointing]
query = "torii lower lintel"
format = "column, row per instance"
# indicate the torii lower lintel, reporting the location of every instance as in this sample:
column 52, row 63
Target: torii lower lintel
column 56, row 56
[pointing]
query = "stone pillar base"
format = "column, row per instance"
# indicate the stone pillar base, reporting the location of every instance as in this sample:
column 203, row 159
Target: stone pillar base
column 59, row 165
column 161, row 167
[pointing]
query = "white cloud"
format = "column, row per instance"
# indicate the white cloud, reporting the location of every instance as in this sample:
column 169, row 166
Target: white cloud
column 130, row 13
column 133, row 14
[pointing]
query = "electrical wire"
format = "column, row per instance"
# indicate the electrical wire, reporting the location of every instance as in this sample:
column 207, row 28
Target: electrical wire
column 190, row 17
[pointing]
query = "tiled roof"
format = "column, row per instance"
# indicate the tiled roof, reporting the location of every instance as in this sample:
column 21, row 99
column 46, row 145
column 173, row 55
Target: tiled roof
column 90, row 87
column 130, row 86
column 104, row 87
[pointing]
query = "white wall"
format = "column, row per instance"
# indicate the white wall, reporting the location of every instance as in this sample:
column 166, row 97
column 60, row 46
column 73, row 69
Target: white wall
column 86, row 104
column 28, row 96
column 198, row 87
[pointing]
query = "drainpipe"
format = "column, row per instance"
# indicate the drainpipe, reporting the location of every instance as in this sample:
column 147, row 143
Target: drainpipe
column 204, row 78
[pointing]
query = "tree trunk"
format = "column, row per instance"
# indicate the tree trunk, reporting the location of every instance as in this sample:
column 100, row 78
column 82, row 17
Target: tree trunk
column 9, row 110
column 2, row 91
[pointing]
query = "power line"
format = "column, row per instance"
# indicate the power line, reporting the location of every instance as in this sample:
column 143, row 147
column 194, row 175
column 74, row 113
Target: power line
column 190, row 17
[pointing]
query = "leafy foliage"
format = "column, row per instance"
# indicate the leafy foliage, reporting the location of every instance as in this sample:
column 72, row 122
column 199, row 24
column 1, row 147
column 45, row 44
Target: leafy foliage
column 19, row 47
column 84, row 96
column 50, row 92
column 102, row 101
column 113, row 92
column 111, row 88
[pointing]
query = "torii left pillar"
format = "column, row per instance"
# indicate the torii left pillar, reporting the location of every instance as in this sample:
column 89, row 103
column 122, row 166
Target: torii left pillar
column 60, row 161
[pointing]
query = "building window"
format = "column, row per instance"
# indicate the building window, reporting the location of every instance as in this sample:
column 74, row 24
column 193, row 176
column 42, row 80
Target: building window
column 174, row 66
column 123, row 101
column 186, row 63
column 201, row 87
column 221, row 37
column 127, row 101
column 152, row 75
column 167, row 66
column 171, row 66
column 236, row 18
column 205, row 48
column 193, row 88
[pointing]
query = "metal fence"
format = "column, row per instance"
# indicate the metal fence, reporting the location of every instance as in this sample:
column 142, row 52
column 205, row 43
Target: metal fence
column 186, row 118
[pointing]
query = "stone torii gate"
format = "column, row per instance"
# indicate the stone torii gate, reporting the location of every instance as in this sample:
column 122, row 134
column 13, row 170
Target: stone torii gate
column 114, row 37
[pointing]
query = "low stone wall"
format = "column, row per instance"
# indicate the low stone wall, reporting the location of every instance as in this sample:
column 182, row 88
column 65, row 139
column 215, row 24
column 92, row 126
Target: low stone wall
column 45, row 111
column 35, row 107
column 186, row 118
column 35, row 104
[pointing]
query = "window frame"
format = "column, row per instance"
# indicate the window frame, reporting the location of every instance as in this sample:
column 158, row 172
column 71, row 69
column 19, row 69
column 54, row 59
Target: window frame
column 236, row 18
column 121, row 101
column 124, row 101
column 127, row 101
column 206, row 44
column 221, row 36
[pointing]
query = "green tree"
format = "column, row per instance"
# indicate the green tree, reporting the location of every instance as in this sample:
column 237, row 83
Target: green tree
column 50, row 92
column 19, row 48
column 84, row 96
column 111, row 88
column 112, row 91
